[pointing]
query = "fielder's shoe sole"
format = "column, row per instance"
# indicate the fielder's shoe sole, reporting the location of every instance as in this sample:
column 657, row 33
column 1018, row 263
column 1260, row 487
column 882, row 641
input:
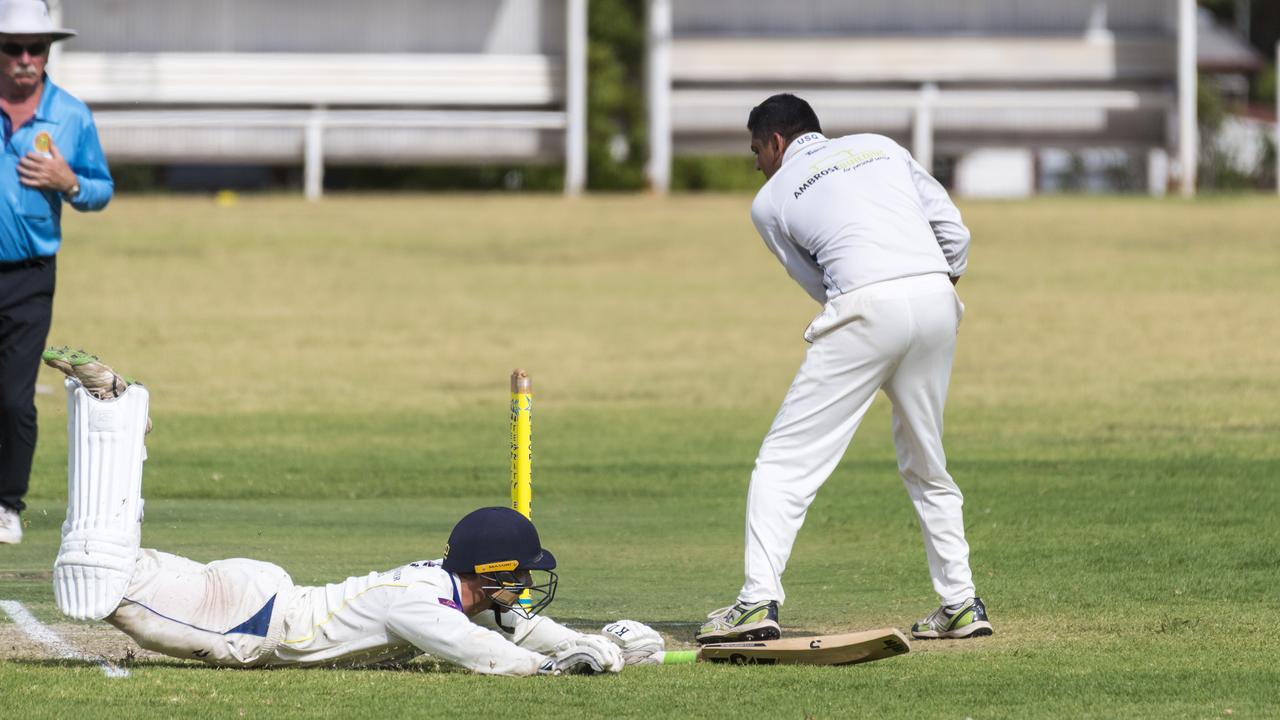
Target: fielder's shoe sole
column 97, row 378
column 100, row 380
column 741, row 622
column 968, row 621
column 57, row 358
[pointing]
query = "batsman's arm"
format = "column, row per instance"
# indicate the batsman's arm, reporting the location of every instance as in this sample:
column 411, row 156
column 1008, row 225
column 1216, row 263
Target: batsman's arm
column 445, row 633
column 540, row 633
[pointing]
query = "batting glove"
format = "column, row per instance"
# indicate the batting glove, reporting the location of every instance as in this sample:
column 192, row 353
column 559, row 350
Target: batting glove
column 583, row 659
column 584, row 655
column 637, row 641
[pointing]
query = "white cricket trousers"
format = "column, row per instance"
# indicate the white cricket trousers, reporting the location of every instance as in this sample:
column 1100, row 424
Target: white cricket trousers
column 899, row 335
column 228, row 612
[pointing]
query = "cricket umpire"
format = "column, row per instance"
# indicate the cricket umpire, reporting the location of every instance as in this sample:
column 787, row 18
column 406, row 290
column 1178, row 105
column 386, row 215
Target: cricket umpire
column 51, row 155
column 465, row 608
column 870, row 235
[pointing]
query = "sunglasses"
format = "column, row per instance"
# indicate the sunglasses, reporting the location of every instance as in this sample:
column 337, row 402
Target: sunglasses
column 35, row 49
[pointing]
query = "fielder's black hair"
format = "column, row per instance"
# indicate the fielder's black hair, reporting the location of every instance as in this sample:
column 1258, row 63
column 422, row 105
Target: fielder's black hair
column 784, row 114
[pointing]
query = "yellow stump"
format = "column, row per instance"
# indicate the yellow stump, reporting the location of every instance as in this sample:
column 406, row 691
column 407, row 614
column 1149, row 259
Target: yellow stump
column 521, row 443
column 522, row 450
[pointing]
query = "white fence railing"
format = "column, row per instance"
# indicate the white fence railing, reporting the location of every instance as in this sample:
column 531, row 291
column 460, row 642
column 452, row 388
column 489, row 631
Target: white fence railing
column 314, row 108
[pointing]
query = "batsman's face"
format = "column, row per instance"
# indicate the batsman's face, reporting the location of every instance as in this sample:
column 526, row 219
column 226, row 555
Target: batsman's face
column 508, row 591
column 768, row 152
column 23, row 58
column 504, row 589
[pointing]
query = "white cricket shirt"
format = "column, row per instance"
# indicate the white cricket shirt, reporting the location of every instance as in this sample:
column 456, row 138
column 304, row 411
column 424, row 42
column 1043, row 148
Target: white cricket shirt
column 396, row 615
column 848, row 212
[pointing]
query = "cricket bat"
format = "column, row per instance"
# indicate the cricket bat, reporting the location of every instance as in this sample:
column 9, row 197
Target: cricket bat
column 846, row 649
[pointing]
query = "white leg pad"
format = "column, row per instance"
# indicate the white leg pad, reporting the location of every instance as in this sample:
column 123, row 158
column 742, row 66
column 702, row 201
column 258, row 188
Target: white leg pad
column 103, row 529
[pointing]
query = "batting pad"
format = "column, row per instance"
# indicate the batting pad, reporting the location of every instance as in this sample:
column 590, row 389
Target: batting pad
column 103, row 531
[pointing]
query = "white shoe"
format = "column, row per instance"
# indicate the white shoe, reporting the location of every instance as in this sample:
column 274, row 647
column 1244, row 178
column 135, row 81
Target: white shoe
column 964, row 620
column 740, row 622
column 10, row 526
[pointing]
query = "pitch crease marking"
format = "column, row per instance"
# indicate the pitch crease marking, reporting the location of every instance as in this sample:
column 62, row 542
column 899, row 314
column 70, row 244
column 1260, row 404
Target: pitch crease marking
column 52, row 641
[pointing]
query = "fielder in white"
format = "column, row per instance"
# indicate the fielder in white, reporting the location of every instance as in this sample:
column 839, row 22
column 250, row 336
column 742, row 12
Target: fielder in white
column 463, row 609
column 870, row 235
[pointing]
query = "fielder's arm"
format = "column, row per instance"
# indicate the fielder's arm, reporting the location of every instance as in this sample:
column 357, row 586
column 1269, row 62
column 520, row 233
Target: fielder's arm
column 944, row 218
column 799, row 263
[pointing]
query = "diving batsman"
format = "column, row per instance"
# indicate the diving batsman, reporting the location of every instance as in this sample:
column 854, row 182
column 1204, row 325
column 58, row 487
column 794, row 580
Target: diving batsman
column 462, row 609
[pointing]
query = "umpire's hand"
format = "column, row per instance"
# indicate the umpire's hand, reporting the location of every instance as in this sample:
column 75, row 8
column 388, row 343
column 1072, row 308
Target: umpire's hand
column 47, row 173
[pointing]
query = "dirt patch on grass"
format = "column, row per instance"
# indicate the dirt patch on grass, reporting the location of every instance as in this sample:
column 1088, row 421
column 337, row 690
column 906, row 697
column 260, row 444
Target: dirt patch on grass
column 29, row 576
column 98, row 640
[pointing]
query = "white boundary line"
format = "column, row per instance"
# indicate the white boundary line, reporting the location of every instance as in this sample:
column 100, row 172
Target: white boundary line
column 44, row 635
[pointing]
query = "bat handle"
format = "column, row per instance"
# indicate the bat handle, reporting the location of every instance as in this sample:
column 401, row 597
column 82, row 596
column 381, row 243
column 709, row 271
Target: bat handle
column 678, row 657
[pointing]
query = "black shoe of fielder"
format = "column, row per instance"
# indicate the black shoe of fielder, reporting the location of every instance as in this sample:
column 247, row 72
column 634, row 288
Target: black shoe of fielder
column 741, row 621
column 966, row 620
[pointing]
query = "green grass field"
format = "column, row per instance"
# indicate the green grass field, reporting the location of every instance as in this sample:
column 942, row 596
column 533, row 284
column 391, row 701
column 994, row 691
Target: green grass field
column 329, row 391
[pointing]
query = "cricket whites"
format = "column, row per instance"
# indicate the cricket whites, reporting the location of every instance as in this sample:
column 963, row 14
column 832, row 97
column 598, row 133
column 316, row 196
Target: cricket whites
column 522, row 449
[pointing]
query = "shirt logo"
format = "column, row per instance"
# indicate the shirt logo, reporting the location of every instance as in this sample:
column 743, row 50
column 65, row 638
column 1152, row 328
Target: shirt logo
column 840, row 161
column 848, row 159
column 448, row 602
column 807, row 138
column 43, row 142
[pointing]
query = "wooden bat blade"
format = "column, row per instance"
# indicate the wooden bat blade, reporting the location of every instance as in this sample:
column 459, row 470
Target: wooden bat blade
column 846, row 649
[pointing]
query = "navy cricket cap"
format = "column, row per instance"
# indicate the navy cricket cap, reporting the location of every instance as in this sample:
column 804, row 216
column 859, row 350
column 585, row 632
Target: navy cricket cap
column 495, row 539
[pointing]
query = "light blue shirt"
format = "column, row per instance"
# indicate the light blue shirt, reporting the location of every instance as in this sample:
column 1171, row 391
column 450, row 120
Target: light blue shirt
column 31, row 219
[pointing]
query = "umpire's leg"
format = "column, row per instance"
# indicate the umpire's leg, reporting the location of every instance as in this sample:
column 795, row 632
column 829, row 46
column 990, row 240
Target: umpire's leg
column 26, row 309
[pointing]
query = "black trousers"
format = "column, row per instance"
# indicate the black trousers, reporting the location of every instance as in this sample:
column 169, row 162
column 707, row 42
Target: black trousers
column 26, row 309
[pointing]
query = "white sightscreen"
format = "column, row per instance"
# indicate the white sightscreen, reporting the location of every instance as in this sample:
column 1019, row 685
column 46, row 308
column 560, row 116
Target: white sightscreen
column 920, row 17
column 317, row 26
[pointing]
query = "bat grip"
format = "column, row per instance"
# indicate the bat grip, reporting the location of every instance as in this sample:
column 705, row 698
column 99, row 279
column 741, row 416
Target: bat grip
column 679, row 657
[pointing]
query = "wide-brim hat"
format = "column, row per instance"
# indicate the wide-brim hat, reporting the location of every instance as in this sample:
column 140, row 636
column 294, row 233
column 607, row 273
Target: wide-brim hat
column 29, row 17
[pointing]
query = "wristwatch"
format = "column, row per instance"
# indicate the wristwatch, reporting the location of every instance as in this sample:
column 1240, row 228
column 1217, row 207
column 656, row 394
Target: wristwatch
column 73, row 192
